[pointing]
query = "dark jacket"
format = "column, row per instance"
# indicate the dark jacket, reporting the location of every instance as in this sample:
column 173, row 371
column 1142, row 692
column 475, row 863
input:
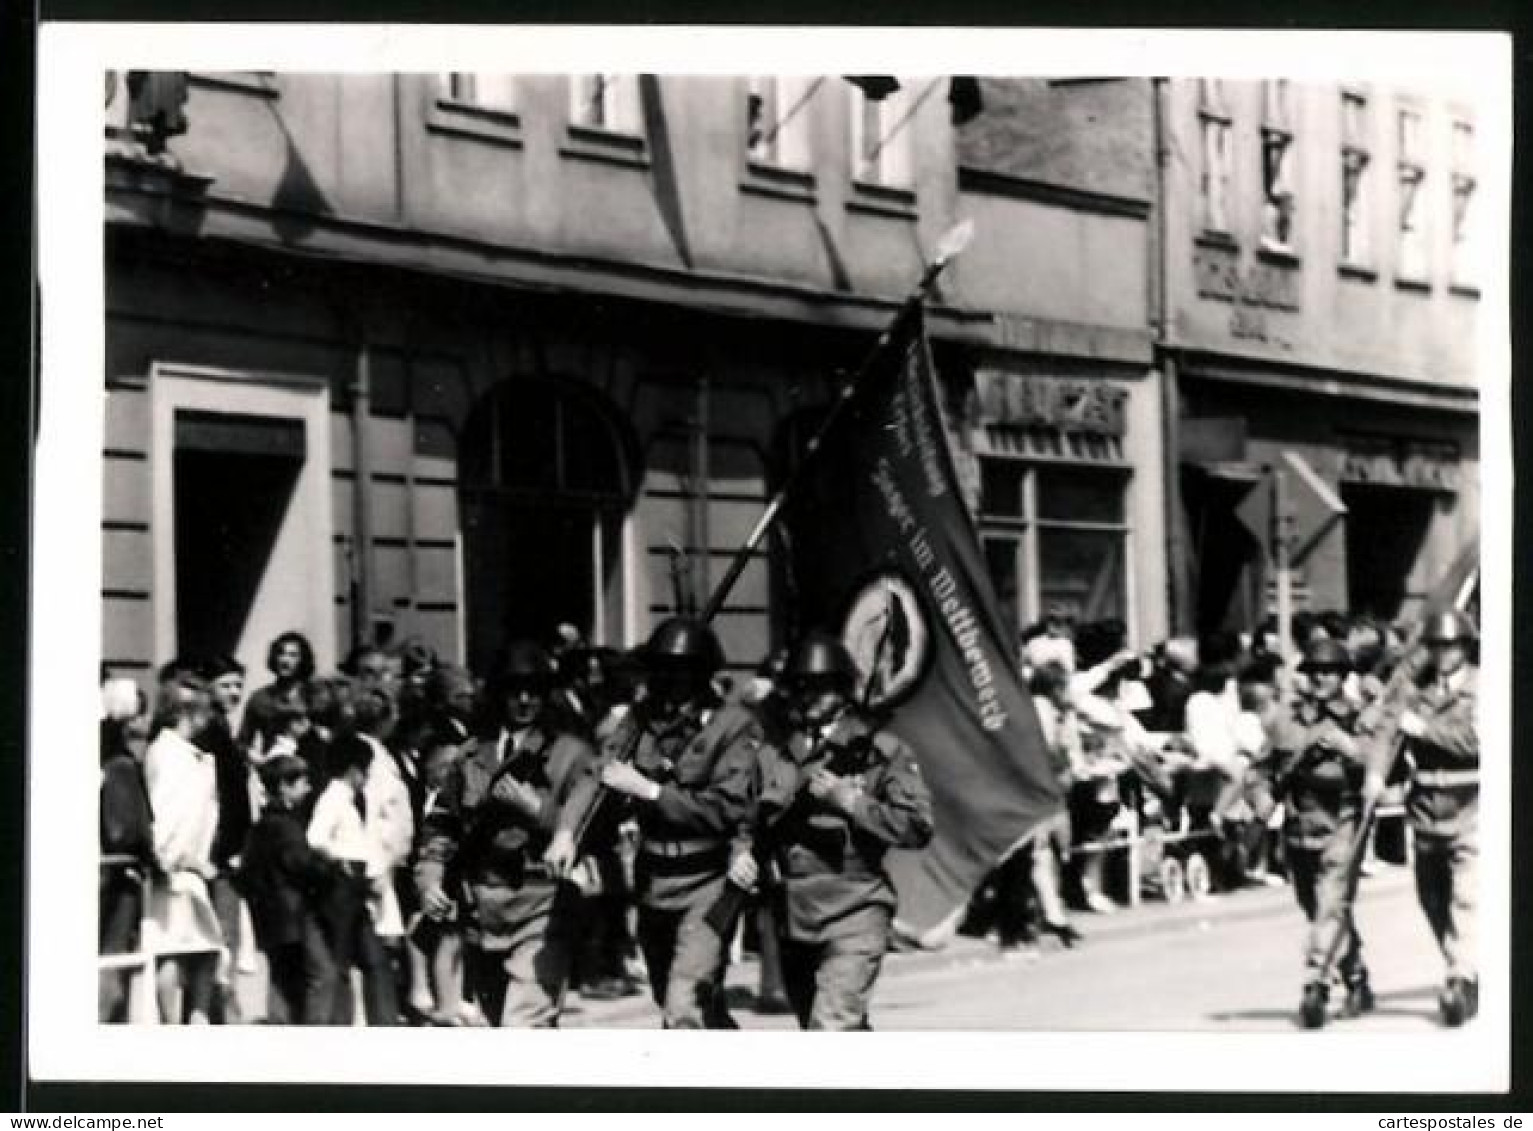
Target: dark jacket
column 472, row 830
column 232, row 776
column 706, row 768
column 282, row 877
column 127, row 822
column 832, row 863
column 1315, row 765
column 1444, row 795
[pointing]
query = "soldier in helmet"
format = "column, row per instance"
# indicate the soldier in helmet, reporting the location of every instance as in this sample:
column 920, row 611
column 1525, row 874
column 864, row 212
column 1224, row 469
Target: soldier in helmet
column 835, row 801
column 1443, row 800
column 490, row 838
column 1315, row 765
column 686, row 763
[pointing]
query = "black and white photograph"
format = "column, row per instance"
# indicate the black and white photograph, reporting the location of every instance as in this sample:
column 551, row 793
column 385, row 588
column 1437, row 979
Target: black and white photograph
column 626, row 530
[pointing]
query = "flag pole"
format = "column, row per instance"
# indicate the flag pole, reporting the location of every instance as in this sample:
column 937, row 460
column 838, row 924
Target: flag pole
column 952, row 243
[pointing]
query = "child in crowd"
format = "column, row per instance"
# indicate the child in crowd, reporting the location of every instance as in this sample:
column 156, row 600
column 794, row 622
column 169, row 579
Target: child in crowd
column 338, row 829
column 434, row 940
column 286, row 883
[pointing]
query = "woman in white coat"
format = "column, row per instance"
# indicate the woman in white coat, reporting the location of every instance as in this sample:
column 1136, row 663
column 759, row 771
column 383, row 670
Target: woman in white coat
column 183, row 794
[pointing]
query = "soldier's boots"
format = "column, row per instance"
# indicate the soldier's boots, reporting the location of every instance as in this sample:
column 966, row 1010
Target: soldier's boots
column 1453, row 1002
column 1359, row 997
column 1312, row 1005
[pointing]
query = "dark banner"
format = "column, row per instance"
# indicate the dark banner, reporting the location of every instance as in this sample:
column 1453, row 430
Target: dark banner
column 883, row 551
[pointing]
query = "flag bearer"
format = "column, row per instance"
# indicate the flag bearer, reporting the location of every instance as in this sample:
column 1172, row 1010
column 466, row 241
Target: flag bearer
column 837, row 799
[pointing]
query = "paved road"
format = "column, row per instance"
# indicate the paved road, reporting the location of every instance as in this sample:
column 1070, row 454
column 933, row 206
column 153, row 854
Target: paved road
column 1230, row 964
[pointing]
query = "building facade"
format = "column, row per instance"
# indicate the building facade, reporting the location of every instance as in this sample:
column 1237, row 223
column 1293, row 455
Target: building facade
column 1312, row 301
column 1321, row 306
column 464, row 357
column 1064, row 417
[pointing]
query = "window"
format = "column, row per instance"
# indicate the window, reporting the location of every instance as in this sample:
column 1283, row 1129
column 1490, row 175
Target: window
column 1412, row 262
column 1214, row 185
column 881, row 153
column 1463, row 204
column 479, row 88
column 777, row 120
column 1055, row 535
column 607, row 102
column 1277, row 174
column 1354, row 179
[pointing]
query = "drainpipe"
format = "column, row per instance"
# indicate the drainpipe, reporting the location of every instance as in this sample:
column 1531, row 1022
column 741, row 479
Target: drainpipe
column 361, row 496
column 1178, row 600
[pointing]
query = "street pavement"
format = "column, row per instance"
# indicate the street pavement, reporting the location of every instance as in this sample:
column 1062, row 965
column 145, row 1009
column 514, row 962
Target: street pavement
column 1231, row 963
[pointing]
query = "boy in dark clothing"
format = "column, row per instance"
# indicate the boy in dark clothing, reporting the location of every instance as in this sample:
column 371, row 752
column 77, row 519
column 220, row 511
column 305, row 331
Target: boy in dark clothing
column 284, row 880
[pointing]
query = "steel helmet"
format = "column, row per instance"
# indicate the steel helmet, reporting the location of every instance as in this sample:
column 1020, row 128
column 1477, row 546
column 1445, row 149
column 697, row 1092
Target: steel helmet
column 1326, row 654
column 685, row 642
column 526, row 663
column 821, row 658
column 1448, row 627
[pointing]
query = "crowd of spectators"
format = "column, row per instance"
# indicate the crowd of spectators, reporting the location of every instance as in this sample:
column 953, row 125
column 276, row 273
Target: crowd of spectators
column 1159, row 741
column 289, row 822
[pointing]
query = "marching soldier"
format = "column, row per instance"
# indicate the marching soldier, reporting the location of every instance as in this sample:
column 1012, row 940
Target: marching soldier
column 1315, row 765
column 1443, row 802
column 687, row 764
column 511, row 798
column 837, row 799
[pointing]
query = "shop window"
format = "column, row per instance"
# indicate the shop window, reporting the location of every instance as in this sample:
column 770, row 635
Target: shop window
column 1214, row 183
column 1055, row 535
column 1464, row 211
column 881, row 138
column 1411, row 263
column 1355, row 159
column 1277, row 171
column 777, row 120
column 607, row 102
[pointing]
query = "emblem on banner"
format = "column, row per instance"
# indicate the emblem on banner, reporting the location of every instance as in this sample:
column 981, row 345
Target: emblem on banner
column 890, row 642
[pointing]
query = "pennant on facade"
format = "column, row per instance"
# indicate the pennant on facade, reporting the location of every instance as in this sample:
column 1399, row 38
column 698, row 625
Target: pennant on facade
column 965, row 99
column 884, row 551
column 874, row 87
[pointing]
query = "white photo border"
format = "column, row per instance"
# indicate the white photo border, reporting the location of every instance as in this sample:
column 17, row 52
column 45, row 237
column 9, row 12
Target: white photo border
column 64, row 1040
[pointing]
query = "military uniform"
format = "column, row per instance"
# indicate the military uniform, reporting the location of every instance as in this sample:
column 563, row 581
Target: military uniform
column 1443, row 807
column 837, row 899
column 520, row 923
column 1315, row 767
column 704, row 763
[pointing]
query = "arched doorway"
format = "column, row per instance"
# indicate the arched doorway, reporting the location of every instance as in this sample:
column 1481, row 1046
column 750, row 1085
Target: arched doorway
column 545, row 477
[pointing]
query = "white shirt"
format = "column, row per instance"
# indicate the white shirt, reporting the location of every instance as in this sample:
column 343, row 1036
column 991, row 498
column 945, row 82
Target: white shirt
column 337, row 828
column 183, row 793
column 1217, row 732
column 390, row 825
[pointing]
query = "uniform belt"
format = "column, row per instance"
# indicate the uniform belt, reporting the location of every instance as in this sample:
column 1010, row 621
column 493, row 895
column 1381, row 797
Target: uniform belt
column 712, row 859
column 671, row 849
column 1447, row 779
